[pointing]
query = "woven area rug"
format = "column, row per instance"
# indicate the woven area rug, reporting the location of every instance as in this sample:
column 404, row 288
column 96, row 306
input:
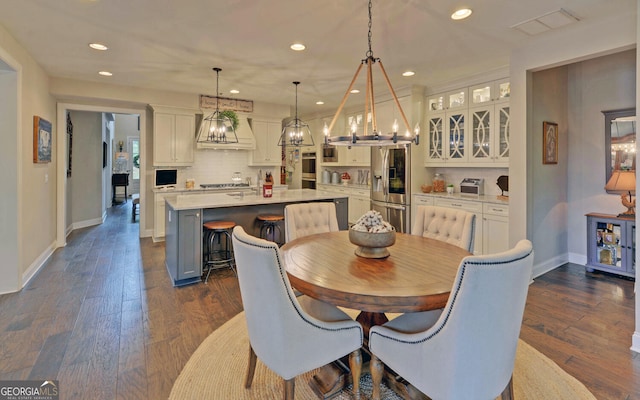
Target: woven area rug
column 216, row 371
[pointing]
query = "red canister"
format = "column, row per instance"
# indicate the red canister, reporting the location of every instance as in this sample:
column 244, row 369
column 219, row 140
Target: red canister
column 267, row 190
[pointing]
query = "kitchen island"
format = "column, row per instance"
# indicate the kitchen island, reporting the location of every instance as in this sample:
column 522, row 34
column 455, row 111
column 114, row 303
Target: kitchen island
column 185, row 214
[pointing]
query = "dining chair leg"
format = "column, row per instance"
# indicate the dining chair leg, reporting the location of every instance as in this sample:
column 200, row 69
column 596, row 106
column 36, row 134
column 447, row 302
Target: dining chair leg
column 251, row 368
column 377, row 368
column 507, row 393
column 289, row 388
column 355, row 363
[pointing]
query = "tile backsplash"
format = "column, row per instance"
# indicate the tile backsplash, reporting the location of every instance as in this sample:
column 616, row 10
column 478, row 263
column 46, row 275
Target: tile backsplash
column 456, row 175
column 218, row 166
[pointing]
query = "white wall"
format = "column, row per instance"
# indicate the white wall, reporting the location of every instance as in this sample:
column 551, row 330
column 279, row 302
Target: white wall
column 562, row 47
column 603, row 83
column 86, row 194
column 548, row 182
column 34, row 204
column 9, row 178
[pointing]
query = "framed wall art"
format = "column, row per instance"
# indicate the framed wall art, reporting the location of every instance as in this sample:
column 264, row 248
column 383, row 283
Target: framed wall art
column 549, row 143
column 41, row 140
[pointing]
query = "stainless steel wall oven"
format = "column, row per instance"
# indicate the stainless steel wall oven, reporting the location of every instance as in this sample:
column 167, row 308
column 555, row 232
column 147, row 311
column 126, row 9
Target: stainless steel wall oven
column 309, row 170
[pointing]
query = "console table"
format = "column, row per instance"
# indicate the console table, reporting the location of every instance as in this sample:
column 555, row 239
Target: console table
column 611, row 244
column 119, row 180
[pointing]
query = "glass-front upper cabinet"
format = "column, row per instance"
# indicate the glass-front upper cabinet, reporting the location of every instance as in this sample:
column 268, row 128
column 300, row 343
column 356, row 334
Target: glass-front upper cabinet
column 490, row 128
column 495, row 91
column 435, row 103
column 447, row 101
column 457, row 99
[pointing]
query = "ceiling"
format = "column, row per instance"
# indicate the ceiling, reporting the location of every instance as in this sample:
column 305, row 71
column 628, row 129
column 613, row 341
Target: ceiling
column 173, row 44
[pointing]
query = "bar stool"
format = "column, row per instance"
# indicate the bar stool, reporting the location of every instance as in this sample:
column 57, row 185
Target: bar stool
column 270, row 226
column 217, row 258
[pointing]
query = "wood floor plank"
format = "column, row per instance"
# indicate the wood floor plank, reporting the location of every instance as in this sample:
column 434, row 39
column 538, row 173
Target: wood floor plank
column 50, row 358
column 129, row 332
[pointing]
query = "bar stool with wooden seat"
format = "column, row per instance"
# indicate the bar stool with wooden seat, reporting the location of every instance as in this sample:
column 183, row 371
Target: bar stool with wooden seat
column 218, row 256
column 270, row 229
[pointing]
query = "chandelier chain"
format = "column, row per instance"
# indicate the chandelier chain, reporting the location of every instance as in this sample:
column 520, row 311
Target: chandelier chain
column 370, row 52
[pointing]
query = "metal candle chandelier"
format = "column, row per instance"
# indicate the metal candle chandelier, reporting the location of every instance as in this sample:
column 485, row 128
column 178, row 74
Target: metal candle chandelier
column 296, row 133
column 217, row 127
column 374, row 138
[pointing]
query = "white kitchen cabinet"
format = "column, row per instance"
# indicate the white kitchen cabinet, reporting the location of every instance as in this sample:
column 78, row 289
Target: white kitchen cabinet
column 359, row 199
column 490, row 92
column 359, row 156
column 267, row 134
column 419, row 200
column 446, row 138
column 490, row 131
column 359, row 204
column 159, row 216
column 469, row 127
column 495, row 226
column 174, row 132
column 475, row 207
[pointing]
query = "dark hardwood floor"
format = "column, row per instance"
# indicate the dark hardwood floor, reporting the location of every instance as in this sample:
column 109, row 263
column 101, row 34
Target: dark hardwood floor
column 103, row 319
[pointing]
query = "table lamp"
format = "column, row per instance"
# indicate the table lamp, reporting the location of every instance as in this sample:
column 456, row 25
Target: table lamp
column 624, row 183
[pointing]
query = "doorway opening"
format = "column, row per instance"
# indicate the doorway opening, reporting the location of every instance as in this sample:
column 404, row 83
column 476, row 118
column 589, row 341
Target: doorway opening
column 108, row 142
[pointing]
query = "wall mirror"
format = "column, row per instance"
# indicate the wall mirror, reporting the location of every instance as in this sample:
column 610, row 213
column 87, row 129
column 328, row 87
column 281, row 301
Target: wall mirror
column 620, row 140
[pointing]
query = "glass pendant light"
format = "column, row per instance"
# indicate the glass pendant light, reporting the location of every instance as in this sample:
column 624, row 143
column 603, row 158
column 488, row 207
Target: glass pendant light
column 375, row 138
column 217, row 127
column 296, row 133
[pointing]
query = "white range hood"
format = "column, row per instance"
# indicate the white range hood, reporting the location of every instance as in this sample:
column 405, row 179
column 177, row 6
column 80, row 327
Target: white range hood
column 246, row 140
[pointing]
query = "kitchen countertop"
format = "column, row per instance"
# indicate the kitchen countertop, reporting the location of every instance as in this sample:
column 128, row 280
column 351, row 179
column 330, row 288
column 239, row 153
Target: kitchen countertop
column 469, row 197
column 198, row 189
column 347, row 186
column 189, row 201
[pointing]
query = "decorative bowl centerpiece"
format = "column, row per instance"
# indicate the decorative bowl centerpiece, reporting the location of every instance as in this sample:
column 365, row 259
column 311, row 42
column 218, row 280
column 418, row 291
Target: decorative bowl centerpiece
column 372, row 235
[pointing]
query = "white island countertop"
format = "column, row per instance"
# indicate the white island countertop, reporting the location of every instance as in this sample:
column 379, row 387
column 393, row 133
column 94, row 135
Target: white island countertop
column 190, row 201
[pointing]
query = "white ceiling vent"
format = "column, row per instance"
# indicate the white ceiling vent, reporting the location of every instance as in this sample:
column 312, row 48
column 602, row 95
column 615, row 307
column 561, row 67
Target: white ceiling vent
column 543, row 23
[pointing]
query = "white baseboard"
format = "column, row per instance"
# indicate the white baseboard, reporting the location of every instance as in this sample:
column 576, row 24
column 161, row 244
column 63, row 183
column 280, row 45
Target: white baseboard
column 635, row 342
column 548, row 265
column 37, row 264
column 146, row 233
column 87, row 223
column 578, row 258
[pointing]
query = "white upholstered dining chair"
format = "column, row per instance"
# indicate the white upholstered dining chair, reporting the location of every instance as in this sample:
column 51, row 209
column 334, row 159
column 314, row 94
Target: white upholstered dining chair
column 290, row 335
column 466, row 350
column 446, row 224
column 303, row 219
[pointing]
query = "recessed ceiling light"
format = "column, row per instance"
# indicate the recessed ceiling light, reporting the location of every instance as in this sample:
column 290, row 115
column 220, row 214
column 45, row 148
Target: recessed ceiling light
column 461, row 13
column 298, row 47
column 319, row 102
column 408, row 73
column 355, row 91
column 98, row 46
column 105, row 73
column 234, row 91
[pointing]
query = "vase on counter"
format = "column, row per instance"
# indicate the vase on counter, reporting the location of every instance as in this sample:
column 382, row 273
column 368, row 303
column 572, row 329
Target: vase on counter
column 438, row 183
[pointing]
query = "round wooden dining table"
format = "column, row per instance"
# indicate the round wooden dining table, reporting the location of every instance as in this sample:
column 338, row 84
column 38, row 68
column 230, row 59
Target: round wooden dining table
column 417, row 276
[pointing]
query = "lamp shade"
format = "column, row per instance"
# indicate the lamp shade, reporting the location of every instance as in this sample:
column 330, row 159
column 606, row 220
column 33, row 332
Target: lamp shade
column 621, row 182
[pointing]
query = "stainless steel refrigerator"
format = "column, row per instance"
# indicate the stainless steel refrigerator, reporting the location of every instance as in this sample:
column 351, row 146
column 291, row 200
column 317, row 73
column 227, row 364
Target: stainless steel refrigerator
column 391, row 184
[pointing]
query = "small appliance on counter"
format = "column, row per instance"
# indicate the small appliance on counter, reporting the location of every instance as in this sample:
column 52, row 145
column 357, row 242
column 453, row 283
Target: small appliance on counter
column 474, row 186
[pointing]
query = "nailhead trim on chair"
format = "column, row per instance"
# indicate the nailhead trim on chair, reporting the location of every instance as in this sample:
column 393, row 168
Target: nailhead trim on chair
column 283, row 278
column 453, row 301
